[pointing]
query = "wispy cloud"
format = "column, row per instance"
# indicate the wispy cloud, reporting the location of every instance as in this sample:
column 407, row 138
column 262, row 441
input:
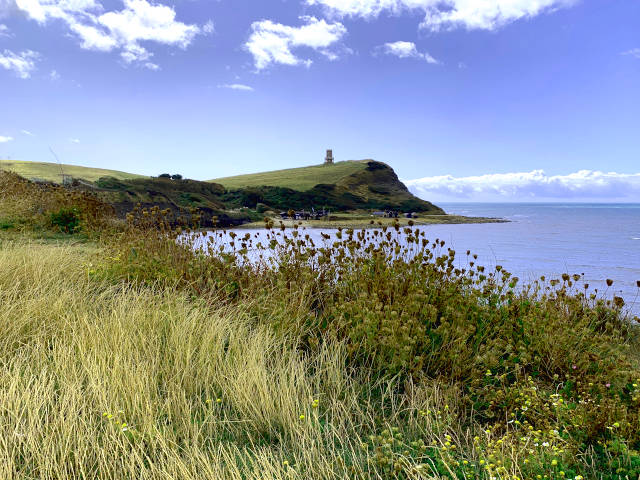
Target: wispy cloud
column 120, row 30
column 22, row 64
column 634, row 52
column 74, row 140
column 237, row 86
column 402, row 49
column 449, row 14
column 27, row 132
column 530, row 186
column 4, row 31
column 209, row 28
column 272, row 42
column 54, row 76
column 4, row 139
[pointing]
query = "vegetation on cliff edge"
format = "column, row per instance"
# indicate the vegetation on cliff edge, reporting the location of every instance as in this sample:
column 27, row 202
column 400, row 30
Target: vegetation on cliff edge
column 151, row 352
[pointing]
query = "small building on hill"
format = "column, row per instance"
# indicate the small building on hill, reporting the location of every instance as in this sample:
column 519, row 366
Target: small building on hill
column 328, row 160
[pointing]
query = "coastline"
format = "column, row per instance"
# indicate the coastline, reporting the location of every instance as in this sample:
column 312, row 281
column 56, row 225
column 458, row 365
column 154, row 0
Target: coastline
column 362, row 221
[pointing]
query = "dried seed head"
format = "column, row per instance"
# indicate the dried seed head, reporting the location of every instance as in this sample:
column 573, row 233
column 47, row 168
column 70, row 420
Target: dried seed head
column 618, row 302
column 609, row 282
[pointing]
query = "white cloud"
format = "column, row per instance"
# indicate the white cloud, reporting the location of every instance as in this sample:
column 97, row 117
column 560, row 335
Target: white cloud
column 43, row 10
column 404, row 50
column 209, row 27
column 135, row 53
column 529, row 186
column 124, row 30
column 4, row 31
column 93, row 38
column 448, row 14
column 22, row 64
column 5, row 139
column 634, row 52
column 144, row 21
column 54, row 76
column 237, row 86
column 272, row 42
column 151, row 66
column 74, row 140
column 27, row 132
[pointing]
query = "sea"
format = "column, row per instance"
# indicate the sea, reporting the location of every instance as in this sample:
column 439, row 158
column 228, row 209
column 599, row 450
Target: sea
column 596, row 241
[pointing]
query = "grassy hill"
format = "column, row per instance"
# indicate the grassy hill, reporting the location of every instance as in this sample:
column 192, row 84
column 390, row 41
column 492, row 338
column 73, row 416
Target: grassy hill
column 350, row 185
column 51, row 171
column 343, row 187
column 301, row 179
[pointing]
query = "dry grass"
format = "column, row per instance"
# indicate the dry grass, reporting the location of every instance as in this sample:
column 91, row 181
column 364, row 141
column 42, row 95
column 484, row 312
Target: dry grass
column 204, row 394
column 52, row 172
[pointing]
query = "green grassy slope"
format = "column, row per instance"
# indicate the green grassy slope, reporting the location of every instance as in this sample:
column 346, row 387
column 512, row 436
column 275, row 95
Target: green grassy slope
column 350, row 185
column 51, row 171
column 301, row 179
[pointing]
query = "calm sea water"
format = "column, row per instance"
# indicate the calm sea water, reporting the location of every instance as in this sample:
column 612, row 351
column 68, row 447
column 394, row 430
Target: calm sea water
column 598, row 240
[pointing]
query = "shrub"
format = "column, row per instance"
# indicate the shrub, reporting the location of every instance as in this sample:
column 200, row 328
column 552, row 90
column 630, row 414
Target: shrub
column 44, row 206
column 6, row 224
column 67, row 220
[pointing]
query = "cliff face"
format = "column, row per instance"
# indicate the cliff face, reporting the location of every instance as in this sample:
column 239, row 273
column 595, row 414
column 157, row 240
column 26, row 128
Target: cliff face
column 379, row 184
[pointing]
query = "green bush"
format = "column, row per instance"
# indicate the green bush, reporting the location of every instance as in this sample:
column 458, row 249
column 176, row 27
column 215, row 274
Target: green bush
column 67, row 220
column 7, row 224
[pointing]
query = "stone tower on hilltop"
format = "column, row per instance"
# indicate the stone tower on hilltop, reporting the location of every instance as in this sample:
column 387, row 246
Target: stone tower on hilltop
column 328, row 160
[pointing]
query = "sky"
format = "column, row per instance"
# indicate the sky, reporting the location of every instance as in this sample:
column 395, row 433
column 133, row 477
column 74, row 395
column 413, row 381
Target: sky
column 468, row 100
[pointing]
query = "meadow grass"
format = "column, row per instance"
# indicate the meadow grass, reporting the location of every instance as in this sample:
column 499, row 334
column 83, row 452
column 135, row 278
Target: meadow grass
column 52, row 172
column 303, row 178
column 203, row 394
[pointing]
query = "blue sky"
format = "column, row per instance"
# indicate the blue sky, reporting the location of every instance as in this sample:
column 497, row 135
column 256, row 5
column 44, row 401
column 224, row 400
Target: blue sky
column 471, row 99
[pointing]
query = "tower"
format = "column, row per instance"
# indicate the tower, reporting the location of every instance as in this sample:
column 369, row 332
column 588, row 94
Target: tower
column 329, row 158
